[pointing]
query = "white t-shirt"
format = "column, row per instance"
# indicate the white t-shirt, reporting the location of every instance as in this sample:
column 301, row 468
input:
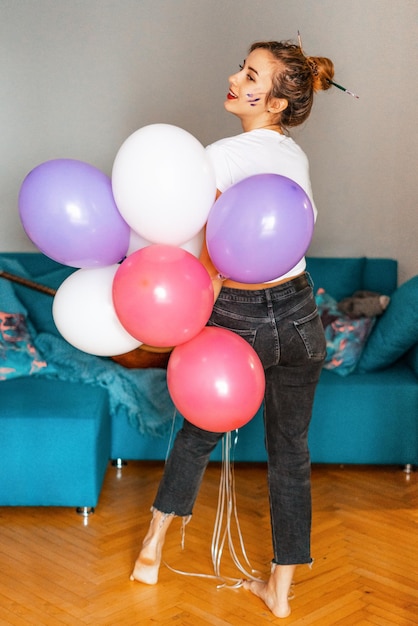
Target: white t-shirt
column 261, row 151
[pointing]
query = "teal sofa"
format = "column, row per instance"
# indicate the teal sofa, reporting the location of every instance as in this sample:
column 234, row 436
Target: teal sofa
column 62, row 424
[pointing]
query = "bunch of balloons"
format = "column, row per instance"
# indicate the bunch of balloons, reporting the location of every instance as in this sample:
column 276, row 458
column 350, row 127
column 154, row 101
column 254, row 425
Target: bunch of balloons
column 135, row 239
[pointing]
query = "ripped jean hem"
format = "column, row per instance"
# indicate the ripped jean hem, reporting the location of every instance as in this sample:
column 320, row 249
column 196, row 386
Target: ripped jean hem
column 185, row 519
column 274, row 564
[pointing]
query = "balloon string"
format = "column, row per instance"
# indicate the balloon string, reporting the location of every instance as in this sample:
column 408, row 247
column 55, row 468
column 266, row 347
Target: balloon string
column 227, row 501
column 222, row 533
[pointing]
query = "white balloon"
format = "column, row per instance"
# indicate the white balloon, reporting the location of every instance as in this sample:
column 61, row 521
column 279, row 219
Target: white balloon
column 163, row 184
column 194, row 245
column 84, row 314
column 136, row 242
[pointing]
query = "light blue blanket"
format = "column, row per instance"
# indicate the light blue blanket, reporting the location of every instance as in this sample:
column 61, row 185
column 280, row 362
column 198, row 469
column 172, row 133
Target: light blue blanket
column 138, row 395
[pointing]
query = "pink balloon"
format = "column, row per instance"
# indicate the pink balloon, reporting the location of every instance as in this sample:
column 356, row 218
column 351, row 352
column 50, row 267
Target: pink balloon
column 162, row 295
column 216, row 380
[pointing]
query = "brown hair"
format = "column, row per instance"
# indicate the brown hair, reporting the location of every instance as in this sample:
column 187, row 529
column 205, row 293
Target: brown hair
column 296, row 80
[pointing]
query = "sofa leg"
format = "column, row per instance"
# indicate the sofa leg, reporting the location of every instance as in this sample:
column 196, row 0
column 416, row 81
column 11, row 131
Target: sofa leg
column 408, row 468
column 85, row 511
column 119, row 463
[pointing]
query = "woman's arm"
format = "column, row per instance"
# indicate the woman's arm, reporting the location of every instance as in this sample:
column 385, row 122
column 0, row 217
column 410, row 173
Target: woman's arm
column 206, row 261
column 216, row 278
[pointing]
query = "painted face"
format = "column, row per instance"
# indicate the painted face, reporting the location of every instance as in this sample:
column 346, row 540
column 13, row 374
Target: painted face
column 249, row 86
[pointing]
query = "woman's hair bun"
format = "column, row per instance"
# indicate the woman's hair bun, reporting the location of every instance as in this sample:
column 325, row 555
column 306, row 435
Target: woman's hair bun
column 322, row 72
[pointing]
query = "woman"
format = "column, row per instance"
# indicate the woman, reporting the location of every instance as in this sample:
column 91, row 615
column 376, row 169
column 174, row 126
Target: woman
column 273, row 91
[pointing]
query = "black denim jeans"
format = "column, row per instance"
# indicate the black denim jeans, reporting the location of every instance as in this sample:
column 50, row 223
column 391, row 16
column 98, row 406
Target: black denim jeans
column 283, row 326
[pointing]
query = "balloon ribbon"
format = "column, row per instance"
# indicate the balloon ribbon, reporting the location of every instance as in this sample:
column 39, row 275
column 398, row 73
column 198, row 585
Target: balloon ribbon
column 226, row 515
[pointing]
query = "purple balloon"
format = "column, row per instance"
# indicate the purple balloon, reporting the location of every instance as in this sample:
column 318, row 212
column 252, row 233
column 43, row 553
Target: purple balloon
column 68, row 211
column 259, row 228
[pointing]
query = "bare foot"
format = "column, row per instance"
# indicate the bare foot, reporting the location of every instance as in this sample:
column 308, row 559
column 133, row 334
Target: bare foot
column 147, row 565
column 275, row 592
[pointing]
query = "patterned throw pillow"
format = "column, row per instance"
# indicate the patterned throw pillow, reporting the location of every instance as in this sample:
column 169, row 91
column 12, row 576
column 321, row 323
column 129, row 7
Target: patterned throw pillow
column 18, row 355
column 345, row 336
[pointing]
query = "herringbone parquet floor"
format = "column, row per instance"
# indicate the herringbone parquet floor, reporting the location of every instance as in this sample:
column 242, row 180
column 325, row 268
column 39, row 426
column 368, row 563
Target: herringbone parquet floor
column 55, row 569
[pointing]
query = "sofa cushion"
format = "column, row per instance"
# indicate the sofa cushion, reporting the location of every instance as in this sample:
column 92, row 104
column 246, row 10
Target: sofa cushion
column 380, row 275
column 36, row 304
column 9, row 302
column 395, row 332
column 55, row 442
column 340, row 277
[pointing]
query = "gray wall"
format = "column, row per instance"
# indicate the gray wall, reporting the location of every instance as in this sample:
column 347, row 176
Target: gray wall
column 78, row 77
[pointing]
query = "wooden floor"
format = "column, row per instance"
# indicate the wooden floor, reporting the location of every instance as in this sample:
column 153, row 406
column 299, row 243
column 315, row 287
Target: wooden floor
column 57, row 569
